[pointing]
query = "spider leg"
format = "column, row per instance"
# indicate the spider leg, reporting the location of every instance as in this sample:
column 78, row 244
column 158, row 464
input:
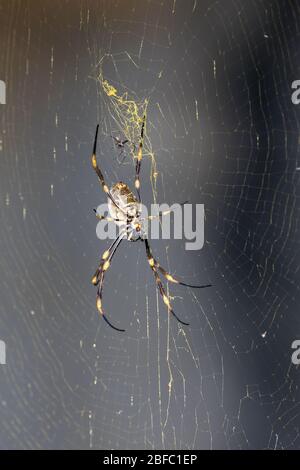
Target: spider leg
column 99, row 172
column 98, row 277
column 137, row 183
column 165, row 273
column 108, row 219
column 161, row 213
column 106, row 256
column 160, row 287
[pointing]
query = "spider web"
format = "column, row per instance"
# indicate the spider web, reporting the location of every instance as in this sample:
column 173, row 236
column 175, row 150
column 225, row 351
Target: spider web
column 214, row 79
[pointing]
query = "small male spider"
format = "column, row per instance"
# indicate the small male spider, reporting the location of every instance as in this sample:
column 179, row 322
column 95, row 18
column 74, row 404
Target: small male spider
column 125, row 211
column 120, row 144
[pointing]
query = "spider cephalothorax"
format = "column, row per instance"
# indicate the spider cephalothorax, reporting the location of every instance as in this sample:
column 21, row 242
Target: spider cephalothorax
column 125, row 211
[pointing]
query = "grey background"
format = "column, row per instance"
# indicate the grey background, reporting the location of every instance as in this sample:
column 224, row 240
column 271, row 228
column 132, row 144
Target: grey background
column 227, row 380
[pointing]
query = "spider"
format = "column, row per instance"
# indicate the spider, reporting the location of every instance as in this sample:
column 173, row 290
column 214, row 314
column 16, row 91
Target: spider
column 125, row 211
column 120, row 144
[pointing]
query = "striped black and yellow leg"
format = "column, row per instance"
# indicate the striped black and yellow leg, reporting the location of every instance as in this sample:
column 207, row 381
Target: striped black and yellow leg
column 159, row 285
column 99, row 172
column 139, row 157
column 98, row 277
column 161, row 213
column 106, row 218
column 165, row 273
column 165, row 297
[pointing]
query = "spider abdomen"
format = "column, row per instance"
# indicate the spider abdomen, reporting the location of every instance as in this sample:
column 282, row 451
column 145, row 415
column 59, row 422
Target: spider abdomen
column 126, row 211
column 122, row 192
column 125, row 200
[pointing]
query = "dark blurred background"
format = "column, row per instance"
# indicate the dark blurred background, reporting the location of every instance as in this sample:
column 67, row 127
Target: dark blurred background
column 224, row 133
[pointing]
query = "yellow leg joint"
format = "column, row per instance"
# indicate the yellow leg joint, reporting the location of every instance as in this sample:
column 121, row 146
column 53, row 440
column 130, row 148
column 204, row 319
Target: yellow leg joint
column 171, row 278
column 106, row 265
column 99, row 305
column 94, row 161
column 166, row 301
column 105, row 255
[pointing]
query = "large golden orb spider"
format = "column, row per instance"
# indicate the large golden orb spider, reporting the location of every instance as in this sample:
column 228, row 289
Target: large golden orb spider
column 125, row 210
